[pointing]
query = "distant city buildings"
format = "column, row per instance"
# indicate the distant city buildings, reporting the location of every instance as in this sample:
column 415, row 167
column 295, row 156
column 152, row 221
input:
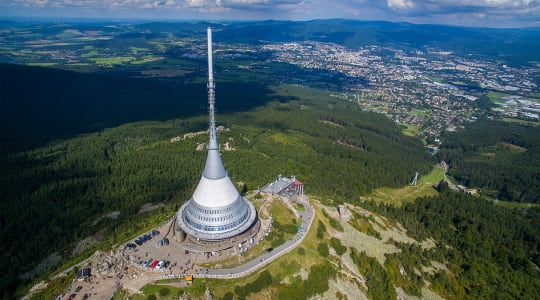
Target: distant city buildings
column 426, row 89
column 430, row 90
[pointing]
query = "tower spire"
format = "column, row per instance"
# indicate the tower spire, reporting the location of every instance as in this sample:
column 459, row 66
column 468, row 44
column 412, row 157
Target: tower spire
column 216, row 211
column 211, row 95
column 214, row 168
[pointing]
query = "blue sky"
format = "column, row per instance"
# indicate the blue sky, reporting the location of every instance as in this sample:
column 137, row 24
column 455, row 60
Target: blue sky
column 489, row 13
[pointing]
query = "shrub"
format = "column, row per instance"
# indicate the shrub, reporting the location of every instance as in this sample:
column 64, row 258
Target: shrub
column 335, row 224
column 164, row 292
column 321, row 230
column 323, row 249
column 336, row 244
column 228, row 296
column 263, row 280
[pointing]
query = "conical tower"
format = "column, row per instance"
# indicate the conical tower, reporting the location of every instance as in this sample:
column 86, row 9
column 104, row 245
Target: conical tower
column 216, row 211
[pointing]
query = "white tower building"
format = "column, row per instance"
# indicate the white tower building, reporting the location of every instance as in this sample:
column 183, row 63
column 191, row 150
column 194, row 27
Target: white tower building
column 216, row 211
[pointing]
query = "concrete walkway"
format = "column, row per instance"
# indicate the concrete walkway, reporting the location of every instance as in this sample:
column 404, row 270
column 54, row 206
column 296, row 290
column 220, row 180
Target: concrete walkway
column 307, row 216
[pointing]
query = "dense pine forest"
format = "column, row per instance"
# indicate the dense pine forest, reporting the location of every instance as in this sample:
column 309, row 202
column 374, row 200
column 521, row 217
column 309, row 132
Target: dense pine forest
column 80, row 161
column 502, row 159
column 63, row 188
column 62, row 104
column 491, row 252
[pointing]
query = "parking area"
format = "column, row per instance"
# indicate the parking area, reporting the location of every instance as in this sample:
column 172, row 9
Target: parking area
column 158, row 253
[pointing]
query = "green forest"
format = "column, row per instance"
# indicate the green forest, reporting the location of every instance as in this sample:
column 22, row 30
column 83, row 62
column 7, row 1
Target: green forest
column 490, row 252
column 502, row 159
column 80, row 161
column 57, row 192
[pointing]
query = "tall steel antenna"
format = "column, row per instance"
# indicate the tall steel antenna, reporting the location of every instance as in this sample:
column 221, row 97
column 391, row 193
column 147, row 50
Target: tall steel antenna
column 214, row 168
column 213, row 144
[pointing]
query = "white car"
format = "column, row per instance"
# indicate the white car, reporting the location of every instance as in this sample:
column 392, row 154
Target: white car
column 160, row 265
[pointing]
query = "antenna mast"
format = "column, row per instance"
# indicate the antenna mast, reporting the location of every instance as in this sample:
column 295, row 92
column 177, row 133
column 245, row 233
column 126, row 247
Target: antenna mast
column 213, row 144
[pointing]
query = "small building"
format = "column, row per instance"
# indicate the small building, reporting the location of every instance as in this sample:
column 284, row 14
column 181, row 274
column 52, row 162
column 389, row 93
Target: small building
column 284, row 186
column 299, row 187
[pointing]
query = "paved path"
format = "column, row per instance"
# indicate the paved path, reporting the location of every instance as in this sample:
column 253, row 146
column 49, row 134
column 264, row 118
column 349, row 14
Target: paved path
column 106, row 284
column 307, row 216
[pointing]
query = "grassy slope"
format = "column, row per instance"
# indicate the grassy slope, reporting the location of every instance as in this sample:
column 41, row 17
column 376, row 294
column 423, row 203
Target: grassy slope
column 397, row 196
column 294, row 265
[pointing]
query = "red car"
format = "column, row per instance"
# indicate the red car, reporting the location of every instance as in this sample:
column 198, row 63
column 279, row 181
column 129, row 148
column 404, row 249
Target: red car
column 153, row 264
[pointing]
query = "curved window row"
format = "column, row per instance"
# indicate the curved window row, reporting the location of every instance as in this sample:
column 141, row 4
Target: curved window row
column 216, row 219
column 237, row 209
column 206, row 218
column 217, row 228
column 214, row 211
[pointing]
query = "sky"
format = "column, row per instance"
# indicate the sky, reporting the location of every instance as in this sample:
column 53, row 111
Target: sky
column 477, row 13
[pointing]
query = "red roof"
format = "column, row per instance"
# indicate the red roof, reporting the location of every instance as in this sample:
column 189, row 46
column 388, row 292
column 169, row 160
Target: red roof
column 297, row 182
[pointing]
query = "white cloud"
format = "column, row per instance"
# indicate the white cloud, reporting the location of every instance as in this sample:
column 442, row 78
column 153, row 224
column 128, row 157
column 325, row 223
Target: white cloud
column 248, row 1
column 419, row 11
column 481, row 3
column 196, row 3
column 400, row 4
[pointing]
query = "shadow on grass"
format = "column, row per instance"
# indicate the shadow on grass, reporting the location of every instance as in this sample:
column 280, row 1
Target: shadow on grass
column 42, row 104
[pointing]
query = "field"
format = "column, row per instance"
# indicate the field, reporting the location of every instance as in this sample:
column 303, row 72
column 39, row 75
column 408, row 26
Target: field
column 410, row 130
column 496, row 97
column 42, row 64
column 110, row 61
column 397, row 196
column 522, row 122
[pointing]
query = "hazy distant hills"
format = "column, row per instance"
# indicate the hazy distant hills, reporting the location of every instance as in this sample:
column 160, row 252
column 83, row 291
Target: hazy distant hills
column 514, row 46
column 511, row 44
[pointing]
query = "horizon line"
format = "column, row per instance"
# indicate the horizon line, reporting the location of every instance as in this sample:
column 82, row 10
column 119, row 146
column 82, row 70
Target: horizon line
column 93, row 19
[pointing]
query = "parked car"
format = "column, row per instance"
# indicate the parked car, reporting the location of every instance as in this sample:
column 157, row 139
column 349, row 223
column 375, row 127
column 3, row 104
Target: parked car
column 160, row 265
column 147, row 262
column 153, row 264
